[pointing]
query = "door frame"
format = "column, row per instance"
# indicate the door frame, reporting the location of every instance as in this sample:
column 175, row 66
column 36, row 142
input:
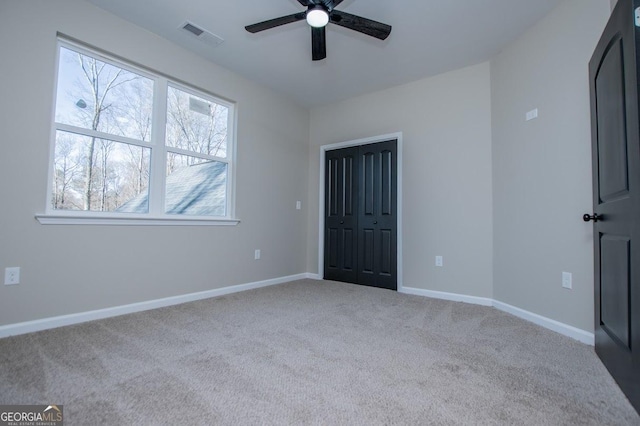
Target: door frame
column 347, row 144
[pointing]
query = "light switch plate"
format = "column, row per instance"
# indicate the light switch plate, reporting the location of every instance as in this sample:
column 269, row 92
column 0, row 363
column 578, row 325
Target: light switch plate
column 567, row 280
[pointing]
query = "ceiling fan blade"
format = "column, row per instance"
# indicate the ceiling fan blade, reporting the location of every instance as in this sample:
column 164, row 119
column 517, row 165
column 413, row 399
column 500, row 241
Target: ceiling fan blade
column 305, row 3
column 331, row 4
column 272, row 23
column 318, row 43
column 360, row 24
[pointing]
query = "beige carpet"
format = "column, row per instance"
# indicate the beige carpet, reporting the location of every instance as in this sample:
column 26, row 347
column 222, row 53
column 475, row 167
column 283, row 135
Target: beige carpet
column 313, row 352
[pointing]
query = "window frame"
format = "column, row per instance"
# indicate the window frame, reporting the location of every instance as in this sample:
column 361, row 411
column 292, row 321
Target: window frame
column 158, row 151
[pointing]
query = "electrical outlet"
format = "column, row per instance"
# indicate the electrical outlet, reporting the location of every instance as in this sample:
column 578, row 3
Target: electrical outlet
column 11, row 276
column 298, row 205
column 257, row 254
column 567, row 279
column 439, row 261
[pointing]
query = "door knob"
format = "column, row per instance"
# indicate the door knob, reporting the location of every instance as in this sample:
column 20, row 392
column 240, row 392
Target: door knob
column 342, row 222
column 587, row 217
column 375, row 223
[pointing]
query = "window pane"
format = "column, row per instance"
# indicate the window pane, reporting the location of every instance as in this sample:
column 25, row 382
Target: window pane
column 196, row 124
column 96, row 95
column 195, row 186
column 99, row 175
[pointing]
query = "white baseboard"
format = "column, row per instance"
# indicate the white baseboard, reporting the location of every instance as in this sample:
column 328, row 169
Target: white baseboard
column 454, row 297
column 559, row 327
column 54, row 322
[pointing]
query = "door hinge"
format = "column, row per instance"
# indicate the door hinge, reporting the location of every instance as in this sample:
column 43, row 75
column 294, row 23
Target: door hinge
column 637, row 16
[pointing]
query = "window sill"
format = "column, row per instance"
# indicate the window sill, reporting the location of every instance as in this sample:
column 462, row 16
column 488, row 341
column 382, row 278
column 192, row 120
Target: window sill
column 69, row 219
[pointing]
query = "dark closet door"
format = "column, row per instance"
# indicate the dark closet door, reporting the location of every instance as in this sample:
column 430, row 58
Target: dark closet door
column 360, row 215
column 613, row 76
column 341, row 218
column 377, row 219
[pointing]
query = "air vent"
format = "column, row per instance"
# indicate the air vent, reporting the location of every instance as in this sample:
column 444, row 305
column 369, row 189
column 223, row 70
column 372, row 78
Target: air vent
column 202, row 34
column 193, row 29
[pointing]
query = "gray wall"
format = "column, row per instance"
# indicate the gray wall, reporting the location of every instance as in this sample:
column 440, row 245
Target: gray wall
column 446, row 124
column 68, row 269
column 542, row 168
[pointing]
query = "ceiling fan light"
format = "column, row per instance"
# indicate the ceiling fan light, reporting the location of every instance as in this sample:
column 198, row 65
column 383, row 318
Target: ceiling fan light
column 317, row 17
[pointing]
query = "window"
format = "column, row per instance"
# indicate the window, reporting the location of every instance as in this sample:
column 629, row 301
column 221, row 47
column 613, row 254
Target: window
column 130, row 144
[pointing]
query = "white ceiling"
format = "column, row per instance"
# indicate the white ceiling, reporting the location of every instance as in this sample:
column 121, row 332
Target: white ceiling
column 428, row 37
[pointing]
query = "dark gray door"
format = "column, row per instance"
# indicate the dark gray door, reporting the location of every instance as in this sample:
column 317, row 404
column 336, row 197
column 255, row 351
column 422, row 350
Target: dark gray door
column 341, row 215
column 377, row 219
column 360, row 215
column 613, row 76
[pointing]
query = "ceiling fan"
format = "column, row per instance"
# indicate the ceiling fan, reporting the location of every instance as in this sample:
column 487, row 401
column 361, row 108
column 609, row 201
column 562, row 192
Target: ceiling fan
column 319, row 13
